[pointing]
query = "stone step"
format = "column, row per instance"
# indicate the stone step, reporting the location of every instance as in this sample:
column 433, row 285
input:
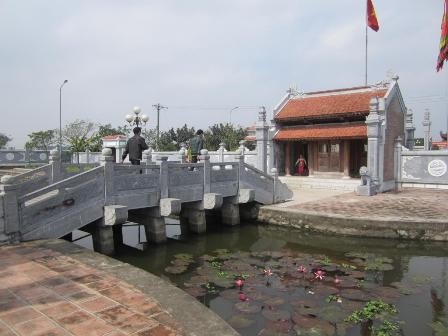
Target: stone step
column 320, row 183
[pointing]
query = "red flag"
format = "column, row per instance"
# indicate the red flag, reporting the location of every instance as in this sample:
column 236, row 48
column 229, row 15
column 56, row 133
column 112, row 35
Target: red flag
column 443, row 47
column 372, row 20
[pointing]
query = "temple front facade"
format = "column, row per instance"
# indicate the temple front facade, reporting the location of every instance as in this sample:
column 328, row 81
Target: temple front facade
column 329, row 129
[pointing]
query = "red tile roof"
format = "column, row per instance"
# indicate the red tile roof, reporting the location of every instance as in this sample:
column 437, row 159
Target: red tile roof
column 318, row 105
column 323, row 132
column 115, row 137
column 439, row 144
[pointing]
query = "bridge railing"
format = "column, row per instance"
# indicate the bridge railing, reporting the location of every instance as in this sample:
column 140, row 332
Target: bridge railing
column 49, row 208
column 45, row 203
column 32, row 180
column 224, row 178
column 133, row 186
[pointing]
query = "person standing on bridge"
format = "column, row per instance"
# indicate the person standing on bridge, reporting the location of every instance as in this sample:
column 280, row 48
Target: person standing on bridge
column 134, row 147
column 196, row 144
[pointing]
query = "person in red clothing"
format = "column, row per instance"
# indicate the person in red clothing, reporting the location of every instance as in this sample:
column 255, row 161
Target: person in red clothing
column 301, row 166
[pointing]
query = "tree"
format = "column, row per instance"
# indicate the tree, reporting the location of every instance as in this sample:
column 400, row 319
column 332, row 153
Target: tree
column 40, row 140
column 226, row 133
column 4, row 139
column 78, row 135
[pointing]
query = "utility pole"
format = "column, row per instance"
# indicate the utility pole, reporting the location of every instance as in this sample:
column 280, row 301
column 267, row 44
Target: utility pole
column 158, row 107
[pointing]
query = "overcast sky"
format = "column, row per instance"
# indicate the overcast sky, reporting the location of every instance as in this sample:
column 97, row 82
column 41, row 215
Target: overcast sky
column 202, row 58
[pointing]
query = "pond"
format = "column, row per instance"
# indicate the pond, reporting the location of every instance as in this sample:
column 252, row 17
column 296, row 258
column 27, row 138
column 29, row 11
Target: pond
column 265, row 280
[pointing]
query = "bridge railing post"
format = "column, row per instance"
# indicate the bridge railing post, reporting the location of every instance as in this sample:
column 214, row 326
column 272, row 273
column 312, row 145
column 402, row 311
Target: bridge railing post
column 274, row 174
column 56, row 166
column 147, row 156
column 107, row 161
column 10, row 219
column 206, row 159
column 221, row 151
column 241, row 168
column 164, row 176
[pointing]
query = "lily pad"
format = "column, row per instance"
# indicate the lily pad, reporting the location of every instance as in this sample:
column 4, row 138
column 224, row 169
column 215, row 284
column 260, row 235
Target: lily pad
column 176, row 269
column 280, row 327
column 183, row 256
column 248, row 307
column 240, row 322
column 403, row 288
column 275, row 301
column 230, row 294
column 196, row 291
column 276, row 314
column 332, row 314
column 355, row 294
column 387, row 294
column 306, row 301
column 307, row 326
column 320, row 289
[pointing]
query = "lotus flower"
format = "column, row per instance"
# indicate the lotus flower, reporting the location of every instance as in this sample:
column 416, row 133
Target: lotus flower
column 320, row 275
column 243, row 297
column 301, row 269
column 268, row 272
column 239, row 283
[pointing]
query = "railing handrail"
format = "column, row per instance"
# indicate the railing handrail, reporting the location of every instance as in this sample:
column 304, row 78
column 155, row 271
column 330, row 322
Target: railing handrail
column 258, row 171
column 17, row 178
column 62, row 183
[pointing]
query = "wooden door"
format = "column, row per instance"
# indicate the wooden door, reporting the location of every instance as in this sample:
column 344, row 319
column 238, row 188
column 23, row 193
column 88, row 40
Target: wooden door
column 335, row 161
column 329, row 156
column 323, row 161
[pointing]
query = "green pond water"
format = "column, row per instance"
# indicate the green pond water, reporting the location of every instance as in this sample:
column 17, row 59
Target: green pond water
column 294, row 283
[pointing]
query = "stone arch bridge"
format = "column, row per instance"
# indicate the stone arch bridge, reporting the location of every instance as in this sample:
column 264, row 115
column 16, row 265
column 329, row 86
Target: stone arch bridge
column 56, row 199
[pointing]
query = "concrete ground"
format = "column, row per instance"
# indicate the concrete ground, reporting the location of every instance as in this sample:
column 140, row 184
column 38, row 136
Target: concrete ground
column 409, row 204
column 52, row 288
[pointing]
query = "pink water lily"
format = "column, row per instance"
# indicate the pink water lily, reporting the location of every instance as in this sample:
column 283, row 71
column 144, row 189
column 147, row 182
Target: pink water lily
column 337, row 281
column 319, row 275
column 239, row 283
column 243, row 297
column 301, row 269
column 268, row 272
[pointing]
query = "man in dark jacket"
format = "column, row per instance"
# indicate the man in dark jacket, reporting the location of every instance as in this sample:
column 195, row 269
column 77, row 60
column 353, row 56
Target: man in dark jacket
column 196, row 144
column 134, row 147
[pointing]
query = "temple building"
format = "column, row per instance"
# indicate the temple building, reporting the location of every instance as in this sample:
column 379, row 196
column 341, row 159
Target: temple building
column 330, row 129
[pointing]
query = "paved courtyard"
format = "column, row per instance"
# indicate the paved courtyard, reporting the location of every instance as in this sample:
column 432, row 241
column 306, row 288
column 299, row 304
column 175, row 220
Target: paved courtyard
column 410, row 204
column 43, row 292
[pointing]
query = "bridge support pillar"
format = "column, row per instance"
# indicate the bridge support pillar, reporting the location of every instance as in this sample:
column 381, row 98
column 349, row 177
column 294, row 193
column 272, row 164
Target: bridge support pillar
column 193, row 214
column 103, row 238
column 196, row 221
column 106, row 232
column 155, row 227
column 183, row 221
column 249, row 211
column 230, row 211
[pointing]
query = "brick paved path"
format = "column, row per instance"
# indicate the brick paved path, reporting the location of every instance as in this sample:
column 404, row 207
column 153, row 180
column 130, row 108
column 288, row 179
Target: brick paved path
column 410, row 204
column 43, row 292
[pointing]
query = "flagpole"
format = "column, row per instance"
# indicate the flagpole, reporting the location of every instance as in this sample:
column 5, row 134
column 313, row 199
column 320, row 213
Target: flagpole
column 365, row 82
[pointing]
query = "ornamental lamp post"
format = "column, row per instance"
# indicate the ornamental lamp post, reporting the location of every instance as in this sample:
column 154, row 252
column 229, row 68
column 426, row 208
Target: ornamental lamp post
column 137, row 119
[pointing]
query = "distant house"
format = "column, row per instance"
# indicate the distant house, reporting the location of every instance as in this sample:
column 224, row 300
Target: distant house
column 329, row 128
column 442, row 144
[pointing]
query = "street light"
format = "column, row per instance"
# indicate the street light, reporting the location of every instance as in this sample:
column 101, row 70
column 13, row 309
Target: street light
column 136, row 119
column 231, row 112
column 60, row 118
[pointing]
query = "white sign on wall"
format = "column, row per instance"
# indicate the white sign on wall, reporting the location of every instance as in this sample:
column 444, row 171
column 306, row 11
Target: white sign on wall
column 437, row 168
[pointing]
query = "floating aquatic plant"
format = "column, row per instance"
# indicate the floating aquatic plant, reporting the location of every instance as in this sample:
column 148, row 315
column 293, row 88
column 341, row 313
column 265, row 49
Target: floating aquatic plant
column 373, row 311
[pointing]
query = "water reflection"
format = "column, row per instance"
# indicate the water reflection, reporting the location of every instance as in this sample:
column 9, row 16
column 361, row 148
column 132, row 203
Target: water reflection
column 410, row 274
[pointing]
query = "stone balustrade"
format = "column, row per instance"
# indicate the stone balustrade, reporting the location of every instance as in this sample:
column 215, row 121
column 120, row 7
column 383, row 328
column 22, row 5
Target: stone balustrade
column 52, row 201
